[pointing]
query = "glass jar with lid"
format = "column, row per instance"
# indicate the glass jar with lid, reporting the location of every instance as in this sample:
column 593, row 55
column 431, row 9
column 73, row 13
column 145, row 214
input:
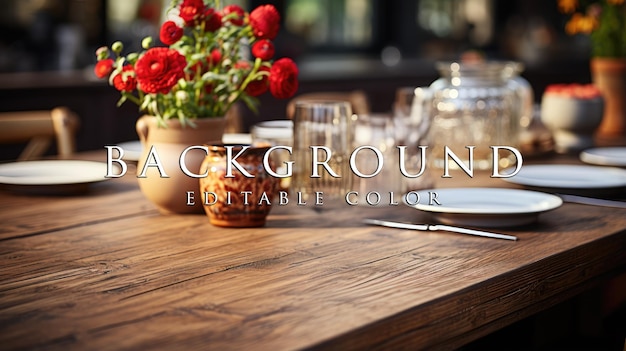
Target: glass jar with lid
column 474, row 105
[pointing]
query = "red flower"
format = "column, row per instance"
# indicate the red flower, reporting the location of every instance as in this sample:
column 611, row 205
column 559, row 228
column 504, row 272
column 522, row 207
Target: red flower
column 159, row 69
column 170, row 33
column 259, row 86
column 191, row 10
column 214, row 58
column 283, row 78
column 212, row 20
column 208, row 88
column 263, row 49
column 125, row 81
column 242, row 65
column 103, row 68
column 265, row 21
column 237, row 14
column 196, row 68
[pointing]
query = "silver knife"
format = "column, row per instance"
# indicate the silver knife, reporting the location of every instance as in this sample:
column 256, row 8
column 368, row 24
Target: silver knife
column 591, row 201
column 433, row 227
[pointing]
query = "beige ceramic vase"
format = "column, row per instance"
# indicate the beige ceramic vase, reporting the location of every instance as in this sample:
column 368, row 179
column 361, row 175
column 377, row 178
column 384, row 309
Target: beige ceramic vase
column 170, row 194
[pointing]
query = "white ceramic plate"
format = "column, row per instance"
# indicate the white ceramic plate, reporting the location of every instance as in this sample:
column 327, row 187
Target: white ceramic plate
column 487, row 207
column 570, row 177
column 52, row 177
column 52, row 172
column 132, row 149
column 605, row 156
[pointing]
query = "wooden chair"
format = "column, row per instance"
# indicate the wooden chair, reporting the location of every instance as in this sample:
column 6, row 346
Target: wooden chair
column 357, row 98
column 38, row 129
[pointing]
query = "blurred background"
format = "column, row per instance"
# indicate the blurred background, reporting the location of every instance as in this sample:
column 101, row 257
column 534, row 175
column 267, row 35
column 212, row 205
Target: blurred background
column 47, row 53
column 47, row 50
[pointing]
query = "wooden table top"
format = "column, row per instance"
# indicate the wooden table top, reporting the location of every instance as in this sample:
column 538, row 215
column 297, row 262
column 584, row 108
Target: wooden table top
column 105, row 270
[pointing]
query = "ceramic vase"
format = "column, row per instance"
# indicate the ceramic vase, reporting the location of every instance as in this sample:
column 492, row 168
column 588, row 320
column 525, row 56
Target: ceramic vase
column 163, row 181
column 609, row 75
column 238, row 199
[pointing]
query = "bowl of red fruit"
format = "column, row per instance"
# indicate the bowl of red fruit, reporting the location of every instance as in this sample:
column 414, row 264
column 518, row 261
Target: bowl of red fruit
column 572, row 112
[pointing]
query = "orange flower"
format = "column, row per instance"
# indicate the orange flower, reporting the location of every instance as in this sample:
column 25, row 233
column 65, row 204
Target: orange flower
column 604, row 21
column 581, row 24
column 568, row 6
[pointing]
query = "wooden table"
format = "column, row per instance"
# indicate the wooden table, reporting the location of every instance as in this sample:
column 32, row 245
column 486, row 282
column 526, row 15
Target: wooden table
column 106, row 271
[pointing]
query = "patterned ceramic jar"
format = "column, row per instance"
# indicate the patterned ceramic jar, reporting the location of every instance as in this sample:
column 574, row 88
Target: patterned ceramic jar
column 237, row 197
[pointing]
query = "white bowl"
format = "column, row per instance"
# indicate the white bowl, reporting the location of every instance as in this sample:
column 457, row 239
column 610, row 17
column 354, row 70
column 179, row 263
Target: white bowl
column 572, row 121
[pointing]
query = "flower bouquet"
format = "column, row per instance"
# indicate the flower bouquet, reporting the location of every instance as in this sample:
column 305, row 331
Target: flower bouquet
column 208, row 58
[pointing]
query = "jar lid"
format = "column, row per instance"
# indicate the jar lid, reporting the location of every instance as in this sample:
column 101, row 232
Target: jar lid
column 483, row 69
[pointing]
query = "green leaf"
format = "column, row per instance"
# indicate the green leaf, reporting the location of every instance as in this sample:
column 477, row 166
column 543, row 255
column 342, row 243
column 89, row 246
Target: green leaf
column 146, row 102
column 181, row 117
column 191, row 123
column 251, row 102
column 121, row 100
column 198, row 56
column 212, row 76
column 167, row 114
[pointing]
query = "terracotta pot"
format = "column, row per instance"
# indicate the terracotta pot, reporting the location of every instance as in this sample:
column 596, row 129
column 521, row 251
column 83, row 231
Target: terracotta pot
column 222, row 196
column 170, row 194
column 609, row 75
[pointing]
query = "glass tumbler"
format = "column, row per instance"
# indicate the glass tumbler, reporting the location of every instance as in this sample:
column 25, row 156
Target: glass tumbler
column 275, row 133
column 411, row 114
column 322, row 143
column 386, row 187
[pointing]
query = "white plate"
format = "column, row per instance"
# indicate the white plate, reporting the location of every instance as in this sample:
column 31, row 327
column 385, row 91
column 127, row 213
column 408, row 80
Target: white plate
column 487, row 207
column 605, row 156
column 52, row 172
column 585, row 179
column 132, row 149
column 52, row 177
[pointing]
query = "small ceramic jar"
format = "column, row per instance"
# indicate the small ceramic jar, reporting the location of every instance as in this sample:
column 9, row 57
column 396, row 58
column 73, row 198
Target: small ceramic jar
column 243, row 200
column 572, row 112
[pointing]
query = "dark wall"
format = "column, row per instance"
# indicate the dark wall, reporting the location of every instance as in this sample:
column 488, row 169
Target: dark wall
column 104, row 123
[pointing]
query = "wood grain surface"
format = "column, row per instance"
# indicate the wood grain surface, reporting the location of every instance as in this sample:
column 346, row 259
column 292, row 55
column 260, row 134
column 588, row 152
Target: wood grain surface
column 106, row 271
